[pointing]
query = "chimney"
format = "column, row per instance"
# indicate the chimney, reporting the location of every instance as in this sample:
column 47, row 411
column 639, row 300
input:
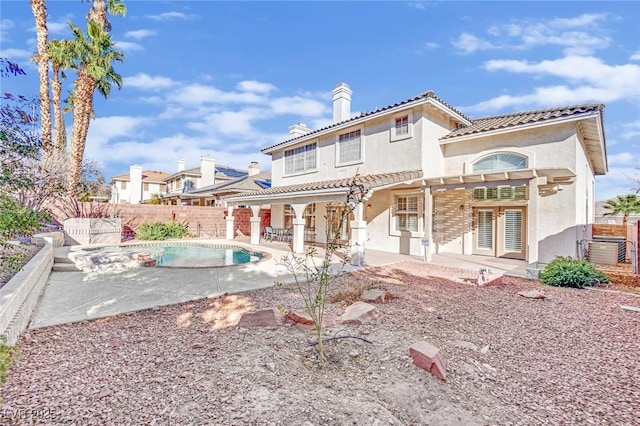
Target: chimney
column 180, row 165
column 207, row 171
column 135, row 183
column 254, row 168
column 341, row 103
column 298, row 130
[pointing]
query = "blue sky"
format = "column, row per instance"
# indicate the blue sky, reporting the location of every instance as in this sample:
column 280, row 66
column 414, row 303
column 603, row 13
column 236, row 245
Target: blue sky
column 227, row 78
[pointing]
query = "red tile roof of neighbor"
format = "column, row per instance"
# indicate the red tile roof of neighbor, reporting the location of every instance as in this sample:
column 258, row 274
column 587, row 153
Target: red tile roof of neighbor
column 154, row 176
column 485, row 124
column 368, row 181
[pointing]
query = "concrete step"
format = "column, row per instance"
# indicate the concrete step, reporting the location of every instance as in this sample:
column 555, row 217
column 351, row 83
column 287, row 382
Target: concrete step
column 65, row 267
column 62, row 259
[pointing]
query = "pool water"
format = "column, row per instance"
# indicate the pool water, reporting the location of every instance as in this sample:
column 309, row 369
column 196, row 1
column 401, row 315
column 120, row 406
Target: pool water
column 190, row 256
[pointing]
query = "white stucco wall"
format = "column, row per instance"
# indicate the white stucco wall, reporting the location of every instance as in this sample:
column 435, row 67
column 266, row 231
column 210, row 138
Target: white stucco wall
column 381, row 154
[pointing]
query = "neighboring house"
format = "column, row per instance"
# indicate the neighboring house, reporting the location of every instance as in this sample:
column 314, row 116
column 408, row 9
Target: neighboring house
column 137, row 186
column 516, row 185
column 212, row 195
column 181, row 186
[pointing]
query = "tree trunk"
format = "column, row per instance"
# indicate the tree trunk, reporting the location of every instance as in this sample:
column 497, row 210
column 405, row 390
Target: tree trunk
column 82, row 107
column 39, row 9
column 60, row 131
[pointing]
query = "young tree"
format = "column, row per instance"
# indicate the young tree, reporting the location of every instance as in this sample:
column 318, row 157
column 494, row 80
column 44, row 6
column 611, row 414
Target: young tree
column 313, row 278
column 623, row 204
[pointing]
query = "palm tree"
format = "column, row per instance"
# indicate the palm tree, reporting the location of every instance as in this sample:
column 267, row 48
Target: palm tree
column 39, row 9
column 623, row 204
column 61, row 58
column 94, row 56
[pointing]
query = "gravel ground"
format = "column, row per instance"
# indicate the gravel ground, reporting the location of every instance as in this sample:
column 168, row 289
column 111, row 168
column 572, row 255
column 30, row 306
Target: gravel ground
column 571, row 358
column 30, row 251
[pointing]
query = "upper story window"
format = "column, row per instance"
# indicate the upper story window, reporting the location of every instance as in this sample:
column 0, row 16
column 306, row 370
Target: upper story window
column 301, row 159
column 402, row 126
column 350, row 147
column 500, row 162
column 145, row 186
column 123, row 184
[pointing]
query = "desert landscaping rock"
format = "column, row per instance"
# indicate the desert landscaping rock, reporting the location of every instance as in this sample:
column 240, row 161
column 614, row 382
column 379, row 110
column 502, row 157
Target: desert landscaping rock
column 373, row 296
column 532, row 294
column 359, row 313
column 262, row 318
column 428, row 357
column 548, row 358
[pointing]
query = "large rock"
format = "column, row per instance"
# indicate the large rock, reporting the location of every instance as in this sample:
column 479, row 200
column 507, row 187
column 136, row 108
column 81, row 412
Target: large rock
column 263, row 318
column 373, row 296
column 305, row 319
column 532, row 294
column 359, row 313
column 428, row 357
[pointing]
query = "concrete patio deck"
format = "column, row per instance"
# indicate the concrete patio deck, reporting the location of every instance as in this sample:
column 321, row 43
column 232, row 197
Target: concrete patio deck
column 79, row 296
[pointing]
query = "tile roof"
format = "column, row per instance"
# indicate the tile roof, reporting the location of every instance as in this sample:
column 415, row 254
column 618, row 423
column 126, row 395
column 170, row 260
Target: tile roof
column 241, row 184
column 498, row 122
column 368, row 181
column 430, row 94
column 147, row 176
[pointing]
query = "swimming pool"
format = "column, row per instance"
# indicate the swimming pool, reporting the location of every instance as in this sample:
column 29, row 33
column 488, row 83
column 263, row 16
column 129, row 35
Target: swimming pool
column 178, row 255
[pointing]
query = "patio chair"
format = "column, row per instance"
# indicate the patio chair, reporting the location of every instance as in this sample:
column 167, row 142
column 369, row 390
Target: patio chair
column 269, row 233
column 288, row 235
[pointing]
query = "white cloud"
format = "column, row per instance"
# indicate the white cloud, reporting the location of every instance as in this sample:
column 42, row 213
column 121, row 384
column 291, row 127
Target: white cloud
column 146, row 81
column 631, row 130
column 635, row 56
column 198, row 94
column 228, row 122
column 170, row 16
column 298, row 106
column 616, row 182
column 5, row 27
column 416, row 5
column 255, row 86
column 585, row 79
column 580, row 35
column 624, row 159
column 140, row 34
column 468, row 43
column 128, row 46
column 58, row 27
column 16, row 54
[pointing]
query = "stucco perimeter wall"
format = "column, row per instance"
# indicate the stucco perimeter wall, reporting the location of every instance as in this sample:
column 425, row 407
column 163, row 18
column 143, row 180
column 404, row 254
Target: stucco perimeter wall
column 202, row 221
column 20, row 295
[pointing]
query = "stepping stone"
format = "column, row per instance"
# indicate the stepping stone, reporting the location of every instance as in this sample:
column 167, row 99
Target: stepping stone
column 532, row 294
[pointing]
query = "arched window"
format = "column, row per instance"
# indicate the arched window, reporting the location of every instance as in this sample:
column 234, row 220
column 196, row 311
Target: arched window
column 500, row 162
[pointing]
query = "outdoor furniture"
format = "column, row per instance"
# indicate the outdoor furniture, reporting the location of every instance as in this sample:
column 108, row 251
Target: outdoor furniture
column 269, row 233
column 287, row 236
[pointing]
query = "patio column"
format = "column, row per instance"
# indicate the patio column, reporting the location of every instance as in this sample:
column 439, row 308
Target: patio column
column 229, row 234
column 427, row 243
column 358, row 236
column 298, row 228
column 255, row 225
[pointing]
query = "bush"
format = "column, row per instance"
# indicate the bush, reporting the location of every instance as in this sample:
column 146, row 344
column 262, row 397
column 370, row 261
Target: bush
column 161, row 230
column 6, row 357
column 569, row 272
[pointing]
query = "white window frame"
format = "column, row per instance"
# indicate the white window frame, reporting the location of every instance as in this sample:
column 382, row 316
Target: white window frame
column 419, row 213
column 398, row 137
column 337, row 144
column 301, row 155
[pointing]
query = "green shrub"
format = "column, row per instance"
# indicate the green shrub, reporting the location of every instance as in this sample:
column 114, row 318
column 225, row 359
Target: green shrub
column 7, row 354
column 569, row 272
column 161, row 230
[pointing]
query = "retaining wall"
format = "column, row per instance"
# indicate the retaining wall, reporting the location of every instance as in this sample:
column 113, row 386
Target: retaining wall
column 18, row 298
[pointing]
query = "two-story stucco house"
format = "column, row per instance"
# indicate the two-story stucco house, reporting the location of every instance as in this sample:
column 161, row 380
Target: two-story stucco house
column 517, row 185
column 137, row 186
